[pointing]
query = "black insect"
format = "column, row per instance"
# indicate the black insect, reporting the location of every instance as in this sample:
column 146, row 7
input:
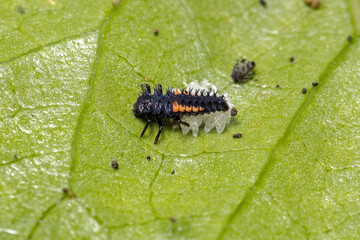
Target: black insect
column 175, row 104
column 243, row 70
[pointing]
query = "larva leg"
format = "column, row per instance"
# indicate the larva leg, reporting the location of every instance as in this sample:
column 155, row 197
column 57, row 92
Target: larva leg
column 146, row 126
column 159, row 132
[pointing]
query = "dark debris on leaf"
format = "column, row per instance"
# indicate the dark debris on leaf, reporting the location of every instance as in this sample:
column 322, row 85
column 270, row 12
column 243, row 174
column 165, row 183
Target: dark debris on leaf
column 172, row 219
column 262, row 2
column 173, row 172
column 156, row 32
column 315, row 84
column 237, row 135
column 304, row 90
column 278, row 86
column 148, row 158
column 65, row 190
column 114, row 163
column 349, row 38
column 292, row 59
column 243, row 70
column 234, row 111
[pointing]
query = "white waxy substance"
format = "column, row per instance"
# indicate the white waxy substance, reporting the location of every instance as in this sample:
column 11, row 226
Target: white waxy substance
column 217, row 120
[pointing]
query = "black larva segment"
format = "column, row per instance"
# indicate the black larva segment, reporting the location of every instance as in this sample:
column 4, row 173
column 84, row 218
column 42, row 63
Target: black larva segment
column 207, row 100
column 158, row 106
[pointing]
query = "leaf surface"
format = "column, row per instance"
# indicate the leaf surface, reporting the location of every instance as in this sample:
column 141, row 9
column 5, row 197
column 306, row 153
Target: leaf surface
column 71, row 72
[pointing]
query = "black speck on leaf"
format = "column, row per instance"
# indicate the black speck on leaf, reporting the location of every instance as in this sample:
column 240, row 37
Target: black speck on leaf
column 172, row 219
column 237, row 135
column 20, row 9
column 292, row 59
column 349, row 38
column 278, row 86
column 173, row 172
column 263, row 3
column 156, row 32
column 304, row 90
column 65, row 190
column 315, row 84
column 148, row 158
column 16, row 157
column 114, row 163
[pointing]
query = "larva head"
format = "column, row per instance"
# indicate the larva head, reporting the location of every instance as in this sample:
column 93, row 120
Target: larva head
column 222, row 104
column 142, row 107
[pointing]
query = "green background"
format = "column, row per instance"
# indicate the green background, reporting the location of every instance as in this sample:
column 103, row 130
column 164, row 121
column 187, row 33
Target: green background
column 70, row 72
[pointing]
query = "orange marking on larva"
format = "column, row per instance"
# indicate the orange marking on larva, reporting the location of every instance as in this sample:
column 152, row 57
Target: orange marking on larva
column 175, row 106
column 202, row 109
column 195, row 109
column 185, row 92
column 182, row 108
column 188, row 109
column 177, row 92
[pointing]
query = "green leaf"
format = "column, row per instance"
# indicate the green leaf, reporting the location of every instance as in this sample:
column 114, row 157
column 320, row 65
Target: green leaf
column 71, row 71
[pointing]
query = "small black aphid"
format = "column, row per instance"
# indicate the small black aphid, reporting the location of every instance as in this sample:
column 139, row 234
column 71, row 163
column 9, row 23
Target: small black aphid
column 304, row 90
column 349, row 38
column 315, row 84
column 114, row 163
column 291, row 59
column 237, row 135
column 263, row 3
column 243, row 70
column 156, row 32
column 173, row 172
column 148, row 158
column 175, row 104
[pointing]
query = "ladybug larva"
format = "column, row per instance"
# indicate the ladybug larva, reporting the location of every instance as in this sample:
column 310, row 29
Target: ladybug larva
column 190, row 107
